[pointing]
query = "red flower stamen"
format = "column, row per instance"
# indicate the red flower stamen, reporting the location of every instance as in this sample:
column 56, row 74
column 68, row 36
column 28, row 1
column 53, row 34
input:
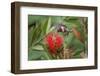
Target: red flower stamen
column 54, row 41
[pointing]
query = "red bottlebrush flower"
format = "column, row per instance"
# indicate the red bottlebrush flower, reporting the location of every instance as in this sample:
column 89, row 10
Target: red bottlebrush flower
column 58, row 41
column 54, row 41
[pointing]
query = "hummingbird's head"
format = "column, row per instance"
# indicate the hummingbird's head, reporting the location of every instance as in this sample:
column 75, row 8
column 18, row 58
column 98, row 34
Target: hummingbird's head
column 63, row 28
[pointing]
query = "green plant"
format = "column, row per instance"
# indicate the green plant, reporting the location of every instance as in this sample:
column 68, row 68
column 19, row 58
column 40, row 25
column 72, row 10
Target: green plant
column 45, row 39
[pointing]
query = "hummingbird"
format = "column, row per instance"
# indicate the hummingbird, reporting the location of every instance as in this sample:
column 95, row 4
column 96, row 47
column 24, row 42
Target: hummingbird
column 64, row 29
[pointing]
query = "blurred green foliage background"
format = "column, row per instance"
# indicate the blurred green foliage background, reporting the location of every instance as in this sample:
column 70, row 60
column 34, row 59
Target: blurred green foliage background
column 75, row 39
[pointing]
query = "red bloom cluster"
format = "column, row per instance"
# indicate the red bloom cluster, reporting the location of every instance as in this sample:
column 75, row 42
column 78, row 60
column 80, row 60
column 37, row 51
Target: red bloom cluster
column 54, row 41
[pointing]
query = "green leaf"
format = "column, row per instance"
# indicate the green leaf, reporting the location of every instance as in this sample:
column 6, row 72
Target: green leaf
column 51, row 29
column 48, row 25
column 34, row 34
column 76, row 56
column 37, row 47
column 34, row 55
column 73, row 22
column 57, row 19
column 38, row 53
column 69, row 39
column 30, row 36
column 71, row 18
column 47, row 52
column 78, row 44
column 35, row 18
column 77, row 52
